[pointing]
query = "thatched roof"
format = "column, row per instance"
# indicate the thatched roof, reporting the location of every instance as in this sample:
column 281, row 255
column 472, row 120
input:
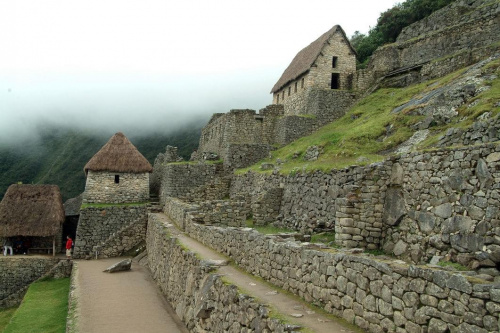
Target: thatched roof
column 306, row 58
column 72, row 206
column 119, row 155
column 31, row 210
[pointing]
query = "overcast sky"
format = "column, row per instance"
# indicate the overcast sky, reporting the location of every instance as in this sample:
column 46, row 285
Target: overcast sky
column 150, row 64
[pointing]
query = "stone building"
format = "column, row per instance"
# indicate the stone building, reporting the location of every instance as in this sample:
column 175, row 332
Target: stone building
column 323, row 70
column 34, row 215
column 118, row 173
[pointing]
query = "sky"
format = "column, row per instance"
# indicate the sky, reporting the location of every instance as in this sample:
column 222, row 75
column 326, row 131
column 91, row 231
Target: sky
column 152, row 65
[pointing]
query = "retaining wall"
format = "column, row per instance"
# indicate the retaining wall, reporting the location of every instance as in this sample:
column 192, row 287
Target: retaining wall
column 98, row 225
column 199, row 296
column 377, row 295
column 16, row 274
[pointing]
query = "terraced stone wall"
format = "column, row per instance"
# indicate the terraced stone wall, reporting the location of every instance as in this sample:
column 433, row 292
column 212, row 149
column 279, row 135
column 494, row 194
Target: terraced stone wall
column 199, row 296
column 102, row 227
column 378, row 295
column 16, row 274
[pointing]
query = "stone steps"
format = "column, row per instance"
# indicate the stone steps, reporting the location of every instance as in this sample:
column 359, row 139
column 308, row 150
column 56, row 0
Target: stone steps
column 289, row 308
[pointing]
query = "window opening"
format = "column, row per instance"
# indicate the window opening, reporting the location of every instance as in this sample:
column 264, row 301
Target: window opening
column 302, row 83
column 289, row 90
column 334, row 62
column 117, row 179
column 335, row 81
column 295, row 89
column 277, row 98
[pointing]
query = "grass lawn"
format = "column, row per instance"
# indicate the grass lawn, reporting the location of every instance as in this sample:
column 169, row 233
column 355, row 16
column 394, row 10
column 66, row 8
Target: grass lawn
column 5, row 315
column 44, row 308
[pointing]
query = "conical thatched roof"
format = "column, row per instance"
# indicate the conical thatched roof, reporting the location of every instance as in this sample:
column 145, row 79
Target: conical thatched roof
column 31, row 210
column 119, row 155
column 306, row 58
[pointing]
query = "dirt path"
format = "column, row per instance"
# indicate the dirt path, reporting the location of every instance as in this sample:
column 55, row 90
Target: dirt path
column 121, row 302
column 283, row 303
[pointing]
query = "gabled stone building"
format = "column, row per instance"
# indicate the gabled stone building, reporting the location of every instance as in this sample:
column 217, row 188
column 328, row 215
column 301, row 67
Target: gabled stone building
column 321, row 69
column 118, row 173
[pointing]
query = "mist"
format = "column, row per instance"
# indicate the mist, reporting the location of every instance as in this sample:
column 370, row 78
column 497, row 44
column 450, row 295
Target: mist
column 151, row 66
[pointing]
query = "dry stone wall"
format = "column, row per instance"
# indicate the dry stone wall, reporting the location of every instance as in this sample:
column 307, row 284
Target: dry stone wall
column 102, row 188
column 198, row 294
column 98, row 225
column 422, row 204
column 446, row 203
column 16, row 274
column 217, row 212
column 375, row 294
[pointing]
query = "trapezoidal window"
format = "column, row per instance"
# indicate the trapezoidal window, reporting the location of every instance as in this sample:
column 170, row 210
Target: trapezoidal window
column 302, row 83
column 117, row 179
column 334, row 62
column 295, row 89
column 277, row 98
column 335, row 81
column 289, row 90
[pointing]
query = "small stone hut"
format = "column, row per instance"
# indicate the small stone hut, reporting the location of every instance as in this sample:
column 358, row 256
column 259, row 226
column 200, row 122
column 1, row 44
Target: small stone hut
column 328, row 63
column 118, row 173
column 34, row 213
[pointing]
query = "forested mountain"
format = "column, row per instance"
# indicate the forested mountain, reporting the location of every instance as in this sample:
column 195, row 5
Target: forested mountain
column 58, row 155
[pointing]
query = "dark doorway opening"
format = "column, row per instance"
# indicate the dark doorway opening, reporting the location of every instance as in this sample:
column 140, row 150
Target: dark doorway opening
column 117, row 179
column 335, row 81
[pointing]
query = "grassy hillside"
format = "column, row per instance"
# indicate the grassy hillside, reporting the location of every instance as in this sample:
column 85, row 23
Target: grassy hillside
column 59, row 156
column 371, row 130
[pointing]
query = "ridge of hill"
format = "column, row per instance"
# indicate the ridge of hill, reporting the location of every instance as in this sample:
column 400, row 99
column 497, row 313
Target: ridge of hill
column 58, row 156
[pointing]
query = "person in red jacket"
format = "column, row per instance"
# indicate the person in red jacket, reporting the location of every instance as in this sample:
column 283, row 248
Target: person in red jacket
column 69, row 246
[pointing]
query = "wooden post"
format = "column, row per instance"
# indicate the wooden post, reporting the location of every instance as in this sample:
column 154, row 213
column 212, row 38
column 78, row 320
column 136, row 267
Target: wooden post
column 54, row 246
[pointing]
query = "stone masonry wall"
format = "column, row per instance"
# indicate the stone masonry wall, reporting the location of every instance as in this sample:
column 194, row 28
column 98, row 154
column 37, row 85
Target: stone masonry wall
column 217, row 212
column 445, row 202
column 179, row 179
column 376, row 295
column 420, row 204
column 16, row 274
column 98, row 224
column 243, row 155
column 101, row 187
column 197, row 293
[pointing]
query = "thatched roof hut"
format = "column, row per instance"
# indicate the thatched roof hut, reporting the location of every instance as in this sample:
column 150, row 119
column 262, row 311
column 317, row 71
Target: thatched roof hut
column 119, row 155
column 31, row 210
column 306, row 58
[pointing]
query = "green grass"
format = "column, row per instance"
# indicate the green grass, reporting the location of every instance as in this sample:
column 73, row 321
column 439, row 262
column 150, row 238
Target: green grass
column 456, row 266
column 44, row 308
column 376, row 252
column 5, row 315
column 104, row 205
column 268, row 229
column 362, row 131
column 324, row 237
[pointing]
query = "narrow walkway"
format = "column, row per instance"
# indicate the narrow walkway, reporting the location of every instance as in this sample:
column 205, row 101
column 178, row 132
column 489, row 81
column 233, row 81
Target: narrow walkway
column 287, row 306
column 121, row 302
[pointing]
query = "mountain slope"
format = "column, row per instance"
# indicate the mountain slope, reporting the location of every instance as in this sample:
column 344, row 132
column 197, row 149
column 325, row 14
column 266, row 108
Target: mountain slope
column 399, row 119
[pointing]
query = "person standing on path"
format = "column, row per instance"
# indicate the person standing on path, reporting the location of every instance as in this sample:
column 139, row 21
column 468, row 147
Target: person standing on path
column 7, row 245
column 69, row 245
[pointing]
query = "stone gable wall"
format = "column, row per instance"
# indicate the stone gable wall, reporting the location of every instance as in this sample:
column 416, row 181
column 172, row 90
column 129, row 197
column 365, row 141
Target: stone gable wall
column 375, row 294
column 98, row 224
column 101, row 187
column 197, row 293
